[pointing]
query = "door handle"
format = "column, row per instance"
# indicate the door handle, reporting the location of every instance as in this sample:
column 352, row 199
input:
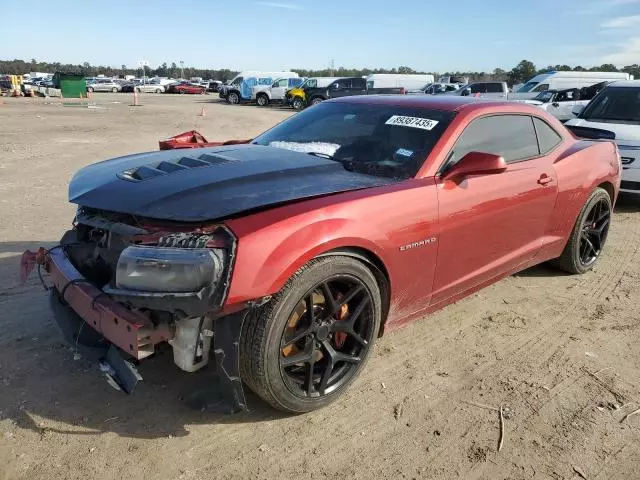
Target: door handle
column 544, row 179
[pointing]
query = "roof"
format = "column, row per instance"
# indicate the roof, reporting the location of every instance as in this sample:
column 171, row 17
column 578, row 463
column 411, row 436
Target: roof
column 450, row 103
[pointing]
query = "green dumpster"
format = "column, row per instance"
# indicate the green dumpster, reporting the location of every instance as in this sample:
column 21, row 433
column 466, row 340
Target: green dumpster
column 72, row 85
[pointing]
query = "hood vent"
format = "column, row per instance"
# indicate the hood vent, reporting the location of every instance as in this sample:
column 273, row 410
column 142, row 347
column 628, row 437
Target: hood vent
column 146, row 172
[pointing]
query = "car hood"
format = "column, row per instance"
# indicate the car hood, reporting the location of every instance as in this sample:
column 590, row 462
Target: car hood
column 210, row 183
column 628, row 133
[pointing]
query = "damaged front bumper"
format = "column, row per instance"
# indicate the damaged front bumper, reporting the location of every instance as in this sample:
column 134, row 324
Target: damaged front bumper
column 77, row 303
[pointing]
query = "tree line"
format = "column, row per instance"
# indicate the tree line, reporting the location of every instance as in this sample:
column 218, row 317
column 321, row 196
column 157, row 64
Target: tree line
column 518, row 74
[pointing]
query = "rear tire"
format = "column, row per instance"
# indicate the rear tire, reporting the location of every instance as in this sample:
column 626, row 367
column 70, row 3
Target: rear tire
column 268, row 351
column 115, row 90
column 90, row 89
column 588, row 236
column 158, row 90
column 316, row 100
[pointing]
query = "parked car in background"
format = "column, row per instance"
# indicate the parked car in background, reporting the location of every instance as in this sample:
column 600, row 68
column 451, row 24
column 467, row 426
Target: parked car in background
column 186, row 87
column 498, row 90
column 297, row 97
column 559, row 80
column 559, row 103
column 346, row 87
column 435, row 88
column 214, row 86
column 240, row 87
column 103, row 85
column 143, row 87
column 616, row 109
column 281, row 261
column 458, row 79
column 390, row 80
column 265, row 94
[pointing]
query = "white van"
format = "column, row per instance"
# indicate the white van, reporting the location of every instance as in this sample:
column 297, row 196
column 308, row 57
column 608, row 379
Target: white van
column 393, row 80
column 240, row 87
column 567, row 80
column 617, row 109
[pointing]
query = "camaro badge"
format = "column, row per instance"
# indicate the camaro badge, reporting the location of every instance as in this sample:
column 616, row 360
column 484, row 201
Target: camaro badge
column 426, row 241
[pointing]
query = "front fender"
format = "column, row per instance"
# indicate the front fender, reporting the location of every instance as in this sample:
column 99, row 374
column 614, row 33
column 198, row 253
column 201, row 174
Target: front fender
column 267, row 258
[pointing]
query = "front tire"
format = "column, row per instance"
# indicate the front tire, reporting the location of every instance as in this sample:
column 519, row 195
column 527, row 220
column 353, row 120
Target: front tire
column 90, row 89
column 304, row 348
column 233, row 98
column 115, row 90
column 298, row 103
column 589, row 234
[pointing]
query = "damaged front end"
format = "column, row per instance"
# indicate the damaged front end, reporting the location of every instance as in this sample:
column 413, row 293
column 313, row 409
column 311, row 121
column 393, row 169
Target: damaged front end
column 139, row 283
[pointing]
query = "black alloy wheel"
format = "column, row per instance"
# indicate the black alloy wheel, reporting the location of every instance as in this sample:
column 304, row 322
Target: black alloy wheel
column 589, row 234
column 302, row 349
column 323, row 344
column 594, row 232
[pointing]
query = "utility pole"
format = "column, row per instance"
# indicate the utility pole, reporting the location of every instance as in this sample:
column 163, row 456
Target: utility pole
column 182, row 69
column 331, row 66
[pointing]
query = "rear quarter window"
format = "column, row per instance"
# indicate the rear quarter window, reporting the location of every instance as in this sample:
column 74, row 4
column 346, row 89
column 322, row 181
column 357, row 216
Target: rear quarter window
column 548, row 138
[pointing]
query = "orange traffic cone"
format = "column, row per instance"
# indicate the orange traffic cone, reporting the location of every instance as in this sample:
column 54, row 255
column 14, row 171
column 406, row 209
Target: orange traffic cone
column 203, row 112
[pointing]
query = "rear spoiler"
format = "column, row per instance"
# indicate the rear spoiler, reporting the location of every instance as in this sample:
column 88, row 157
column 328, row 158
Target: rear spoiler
column 591, row 133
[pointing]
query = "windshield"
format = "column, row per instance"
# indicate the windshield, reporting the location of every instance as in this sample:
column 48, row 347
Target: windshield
column 614, row 104
column 527, row 87
column 381, row 140
column 310, row 83
column 544, row 96
column 237, row 81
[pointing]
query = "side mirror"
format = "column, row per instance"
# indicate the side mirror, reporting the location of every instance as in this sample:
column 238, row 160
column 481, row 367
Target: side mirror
column 476, row 163
column 577, row 110
column 466, row 92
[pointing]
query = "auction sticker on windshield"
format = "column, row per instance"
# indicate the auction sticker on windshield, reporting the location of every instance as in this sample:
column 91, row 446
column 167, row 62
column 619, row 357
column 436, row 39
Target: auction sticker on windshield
column 413, row 122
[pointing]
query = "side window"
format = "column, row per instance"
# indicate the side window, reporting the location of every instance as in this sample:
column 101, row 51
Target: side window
column 359, row 83
column 548, row 138
column 494, row 88
column 284, row 82
column 541, row 88
column 478, row 88
column 512, row 136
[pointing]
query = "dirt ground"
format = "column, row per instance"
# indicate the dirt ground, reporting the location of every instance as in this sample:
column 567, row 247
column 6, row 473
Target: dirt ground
column 559, row 353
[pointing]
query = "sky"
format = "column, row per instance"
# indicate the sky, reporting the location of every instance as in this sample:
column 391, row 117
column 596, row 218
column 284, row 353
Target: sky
column 464, row 35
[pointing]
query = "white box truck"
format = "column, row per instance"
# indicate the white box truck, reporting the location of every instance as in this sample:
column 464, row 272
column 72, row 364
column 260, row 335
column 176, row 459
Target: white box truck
column 393, row 80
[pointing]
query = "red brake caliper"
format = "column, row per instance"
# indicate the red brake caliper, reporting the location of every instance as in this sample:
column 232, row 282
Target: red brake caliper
column 341, row 337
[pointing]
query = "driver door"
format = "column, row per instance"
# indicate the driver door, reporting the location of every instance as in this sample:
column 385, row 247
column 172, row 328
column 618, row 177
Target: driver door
column 278, row 89
column 490, row 224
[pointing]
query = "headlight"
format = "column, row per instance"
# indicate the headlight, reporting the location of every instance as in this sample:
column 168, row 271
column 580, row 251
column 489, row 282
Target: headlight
column 153, row 269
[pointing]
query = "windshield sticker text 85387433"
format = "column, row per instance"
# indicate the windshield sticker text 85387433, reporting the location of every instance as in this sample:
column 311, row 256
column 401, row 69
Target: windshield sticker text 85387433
column 413, row 122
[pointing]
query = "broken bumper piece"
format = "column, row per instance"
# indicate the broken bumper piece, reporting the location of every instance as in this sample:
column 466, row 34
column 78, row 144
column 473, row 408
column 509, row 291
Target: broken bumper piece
column 78, row 304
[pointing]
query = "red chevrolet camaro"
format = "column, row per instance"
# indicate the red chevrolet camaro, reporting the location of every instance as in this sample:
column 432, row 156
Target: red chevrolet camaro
column 286, row 257
column 186, row 87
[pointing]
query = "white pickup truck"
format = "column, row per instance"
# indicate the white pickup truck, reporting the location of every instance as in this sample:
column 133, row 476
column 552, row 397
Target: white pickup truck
column 263, row 95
